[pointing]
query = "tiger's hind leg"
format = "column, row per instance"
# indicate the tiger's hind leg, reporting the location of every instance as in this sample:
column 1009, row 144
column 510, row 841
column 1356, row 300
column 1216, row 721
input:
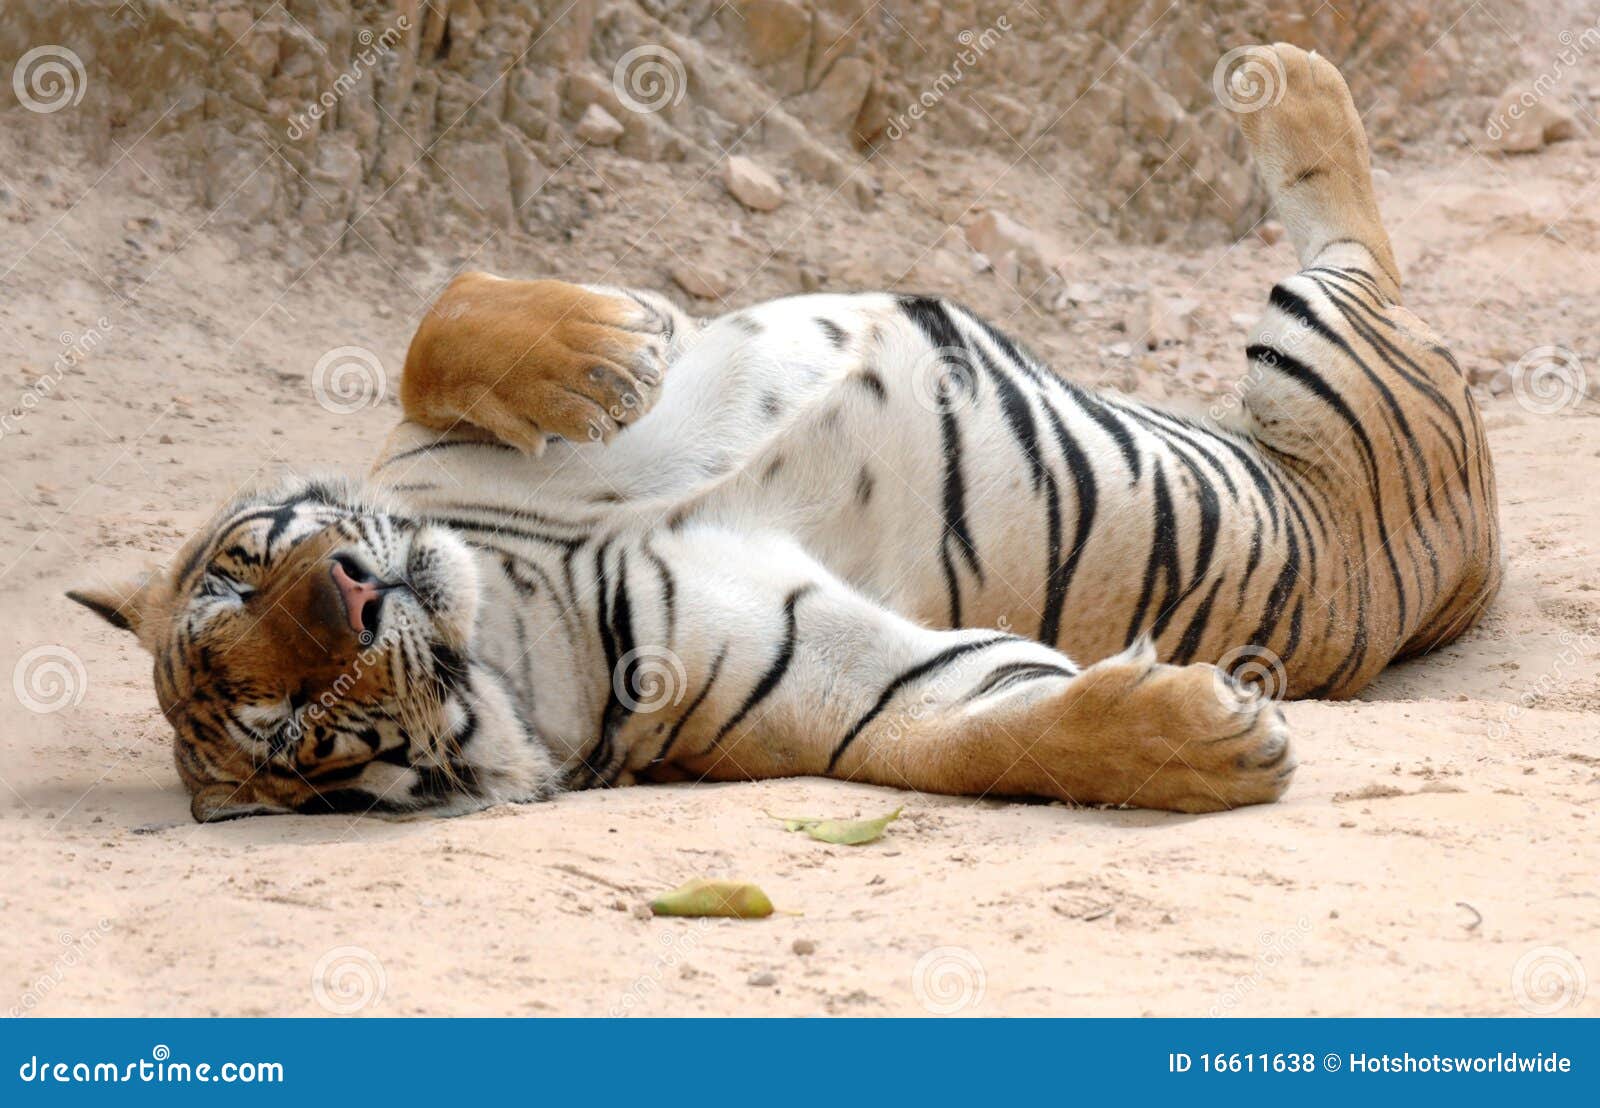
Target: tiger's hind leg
column 1360, row 408
column 1311, row 149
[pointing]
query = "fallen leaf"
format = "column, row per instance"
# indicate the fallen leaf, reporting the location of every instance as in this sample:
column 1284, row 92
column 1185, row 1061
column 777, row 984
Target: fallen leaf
column 843, row 832
column 704, row 897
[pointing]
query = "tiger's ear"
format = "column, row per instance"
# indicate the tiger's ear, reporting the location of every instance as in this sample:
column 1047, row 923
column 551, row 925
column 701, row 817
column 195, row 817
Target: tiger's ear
column 123, row 604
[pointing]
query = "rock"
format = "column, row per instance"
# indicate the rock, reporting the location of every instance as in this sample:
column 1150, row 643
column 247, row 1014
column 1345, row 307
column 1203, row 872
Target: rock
column 598, row 127
column 763, row 980
column 1525, row 119
column 1270, row 231
column 837, row 100
column 1500, row 384
column 1482, row 372
column 1161, row 320
column 751, row 185
column 996, row 234
column 701, row 281
column 777, row 34
column 479, row 179
column 803, row 947
column 1081, row 292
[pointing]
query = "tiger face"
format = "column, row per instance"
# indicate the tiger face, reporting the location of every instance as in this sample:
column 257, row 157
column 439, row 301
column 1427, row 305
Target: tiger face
column 313, row 653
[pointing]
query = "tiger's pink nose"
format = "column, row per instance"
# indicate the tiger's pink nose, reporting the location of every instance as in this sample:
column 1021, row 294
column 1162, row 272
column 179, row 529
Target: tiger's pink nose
column 356, row 595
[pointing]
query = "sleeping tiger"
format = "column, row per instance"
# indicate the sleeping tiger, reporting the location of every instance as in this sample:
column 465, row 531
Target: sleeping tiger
column 868, row 537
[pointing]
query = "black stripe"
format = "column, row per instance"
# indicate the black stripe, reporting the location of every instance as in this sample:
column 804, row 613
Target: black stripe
column 769, row 680
column 1015, row 673
column 921, row 669
column 705, row 690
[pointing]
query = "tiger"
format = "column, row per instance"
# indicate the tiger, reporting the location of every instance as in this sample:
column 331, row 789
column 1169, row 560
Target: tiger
column 869, row 537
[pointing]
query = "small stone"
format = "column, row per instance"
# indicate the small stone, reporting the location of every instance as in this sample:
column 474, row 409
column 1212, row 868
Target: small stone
column 1270, row 232
column 804, row 947
column 598, row 127
column 995, row 234
column 1161, row 320
column 701, row 281
column 165, row 440
column 1526, row 119
column 1500, row 384
column 763, row 980
column 751, row 185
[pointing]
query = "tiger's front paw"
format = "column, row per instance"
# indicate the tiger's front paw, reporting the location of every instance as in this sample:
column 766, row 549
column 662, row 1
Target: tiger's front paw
column 1179, row 738
column 526, row 360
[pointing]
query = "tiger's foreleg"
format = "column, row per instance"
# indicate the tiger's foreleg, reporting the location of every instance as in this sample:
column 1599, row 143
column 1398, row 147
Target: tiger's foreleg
column 787, row 671
column 525, row 360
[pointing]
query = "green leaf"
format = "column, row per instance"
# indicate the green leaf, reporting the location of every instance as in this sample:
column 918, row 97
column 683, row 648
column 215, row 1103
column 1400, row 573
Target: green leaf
column 704, row 897
column 843, row 832
column 795, row 823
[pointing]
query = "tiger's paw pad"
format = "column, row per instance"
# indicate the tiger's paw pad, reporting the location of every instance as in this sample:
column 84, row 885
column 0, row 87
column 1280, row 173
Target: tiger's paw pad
column 1296, row 111
column 1220, row 745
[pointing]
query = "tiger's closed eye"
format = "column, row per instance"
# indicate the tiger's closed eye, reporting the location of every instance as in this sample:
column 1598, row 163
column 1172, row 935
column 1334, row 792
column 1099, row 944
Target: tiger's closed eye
column 222, row 583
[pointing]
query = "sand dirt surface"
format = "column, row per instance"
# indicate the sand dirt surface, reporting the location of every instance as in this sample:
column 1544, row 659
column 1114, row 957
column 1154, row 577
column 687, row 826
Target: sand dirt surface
column 1436, row 856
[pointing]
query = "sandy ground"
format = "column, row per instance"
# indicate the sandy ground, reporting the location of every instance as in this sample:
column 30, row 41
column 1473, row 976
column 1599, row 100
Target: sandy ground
column 1437, row 854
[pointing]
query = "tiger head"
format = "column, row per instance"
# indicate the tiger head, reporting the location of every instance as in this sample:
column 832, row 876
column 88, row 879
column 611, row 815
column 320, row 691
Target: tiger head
column 313, row 653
